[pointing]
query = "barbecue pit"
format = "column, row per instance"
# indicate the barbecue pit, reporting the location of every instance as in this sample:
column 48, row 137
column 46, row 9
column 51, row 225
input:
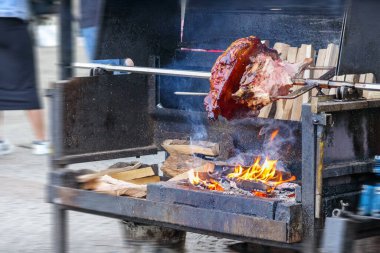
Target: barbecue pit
column 112, row 116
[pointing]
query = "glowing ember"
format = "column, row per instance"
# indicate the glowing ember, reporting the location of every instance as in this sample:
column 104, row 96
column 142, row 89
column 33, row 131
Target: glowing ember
column 260, row 173
column 211, row 184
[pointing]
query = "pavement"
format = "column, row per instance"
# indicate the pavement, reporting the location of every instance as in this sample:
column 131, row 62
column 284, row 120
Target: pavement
column 26, row 218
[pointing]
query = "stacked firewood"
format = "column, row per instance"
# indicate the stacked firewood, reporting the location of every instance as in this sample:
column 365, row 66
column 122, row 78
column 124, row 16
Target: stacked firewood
column 185, row 155
column 129, row 179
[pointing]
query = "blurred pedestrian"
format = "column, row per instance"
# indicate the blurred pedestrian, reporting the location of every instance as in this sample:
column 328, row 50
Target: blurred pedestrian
column 91, row 14
column 18, row 85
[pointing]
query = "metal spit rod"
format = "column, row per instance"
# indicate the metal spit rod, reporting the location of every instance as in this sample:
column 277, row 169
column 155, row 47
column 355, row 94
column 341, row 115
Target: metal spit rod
column 206, row 75
column 146, row 70
column 156, row 71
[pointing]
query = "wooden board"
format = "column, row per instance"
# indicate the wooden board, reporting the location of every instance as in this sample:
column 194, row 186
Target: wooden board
column 189, row 148
column 310, row 53
column 331, row 60
column 145, row 180
column 90, row 177
column 297, row 103
column 133, row 174
column 369, row 78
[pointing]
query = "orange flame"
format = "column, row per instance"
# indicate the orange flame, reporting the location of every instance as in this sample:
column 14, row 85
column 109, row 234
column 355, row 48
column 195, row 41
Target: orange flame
column 194, row 179
column 265, row 173
column 274, row 134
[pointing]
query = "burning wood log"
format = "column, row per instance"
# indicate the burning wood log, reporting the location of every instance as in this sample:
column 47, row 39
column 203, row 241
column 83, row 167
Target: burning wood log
column 189, row 148
column 251, row 186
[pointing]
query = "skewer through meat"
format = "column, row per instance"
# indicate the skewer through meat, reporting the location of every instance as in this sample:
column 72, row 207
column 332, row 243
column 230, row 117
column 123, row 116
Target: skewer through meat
column 246, row 76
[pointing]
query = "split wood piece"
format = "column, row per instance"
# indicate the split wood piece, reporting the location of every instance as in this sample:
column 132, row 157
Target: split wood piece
column 282, row 49
column 145, row 180
column 320, row 63
column 331, row 59
column 207, row 167
column 310, row 53
column 116, row 187
column 250, row 186
column 190, row 148
column 133, row 174
column 89, row 177
column 297, row 102
column 177, row 164
column 288, row 104
column 369, row 78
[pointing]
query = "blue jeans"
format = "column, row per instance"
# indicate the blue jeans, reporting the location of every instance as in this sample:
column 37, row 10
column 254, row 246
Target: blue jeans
column 90, row 36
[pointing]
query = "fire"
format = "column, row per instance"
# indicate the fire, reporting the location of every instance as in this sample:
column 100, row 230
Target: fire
column 274, row 134
column 265, row 173
column 211, row 184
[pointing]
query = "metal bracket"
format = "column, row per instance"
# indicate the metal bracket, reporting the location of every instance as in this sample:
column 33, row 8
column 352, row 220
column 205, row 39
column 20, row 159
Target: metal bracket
column 323, row 119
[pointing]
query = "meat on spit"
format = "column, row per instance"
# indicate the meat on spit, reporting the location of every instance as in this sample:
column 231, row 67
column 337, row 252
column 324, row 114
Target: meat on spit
column 246, row 77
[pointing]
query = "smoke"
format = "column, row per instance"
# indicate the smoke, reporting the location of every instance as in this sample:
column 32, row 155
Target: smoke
column 276, row 141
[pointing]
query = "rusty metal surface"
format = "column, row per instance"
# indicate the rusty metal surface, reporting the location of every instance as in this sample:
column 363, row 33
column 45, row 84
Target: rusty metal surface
column 181, row 216
column 173, row 193
column 106, row 114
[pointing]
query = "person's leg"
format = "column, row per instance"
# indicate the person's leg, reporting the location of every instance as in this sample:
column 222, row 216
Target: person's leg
column 36, row 118
column 2, row 126
column 5, row 146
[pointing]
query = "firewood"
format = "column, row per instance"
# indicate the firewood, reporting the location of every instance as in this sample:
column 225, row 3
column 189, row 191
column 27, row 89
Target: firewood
column 369, row 78
column 133, row 174
column 190, row 148
column 116, row 187
column 177, row 164
column 145, row 180
column 297, row 103
column 208, row 167
column 90, row 177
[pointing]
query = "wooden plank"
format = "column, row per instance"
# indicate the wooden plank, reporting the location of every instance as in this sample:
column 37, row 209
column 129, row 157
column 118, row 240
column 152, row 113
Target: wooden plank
column 370, row 78
column 292, row 54
column 331, row 59
column 282, row 49
column 353, row 78
column 319, row 63
column 133, row 174
column 189, row 148
column 90, row 177
column 310, row 53
column 291, row 58
column 145, row 180
column 297, row 103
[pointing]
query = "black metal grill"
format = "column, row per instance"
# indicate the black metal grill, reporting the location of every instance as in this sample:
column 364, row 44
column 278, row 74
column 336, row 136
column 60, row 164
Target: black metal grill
column 106, row 117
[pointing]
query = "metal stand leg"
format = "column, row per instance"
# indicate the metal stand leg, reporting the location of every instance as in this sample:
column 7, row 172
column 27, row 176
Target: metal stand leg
column 339, row 235
column 60, row 229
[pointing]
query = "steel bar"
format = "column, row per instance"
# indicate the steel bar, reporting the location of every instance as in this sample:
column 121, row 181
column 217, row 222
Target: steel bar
column 66, row 40
column 184, row 93
column 146, row 70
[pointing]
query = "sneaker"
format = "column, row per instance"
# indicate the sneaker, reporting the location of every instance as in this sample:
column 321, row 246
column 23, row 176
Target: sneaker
column 128, row 62
column 6, row 148
column 41, row 148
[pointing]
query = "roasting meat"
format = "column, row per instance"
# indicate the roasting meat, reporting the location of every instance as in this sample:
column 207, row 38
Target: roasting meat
column 246, row 77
